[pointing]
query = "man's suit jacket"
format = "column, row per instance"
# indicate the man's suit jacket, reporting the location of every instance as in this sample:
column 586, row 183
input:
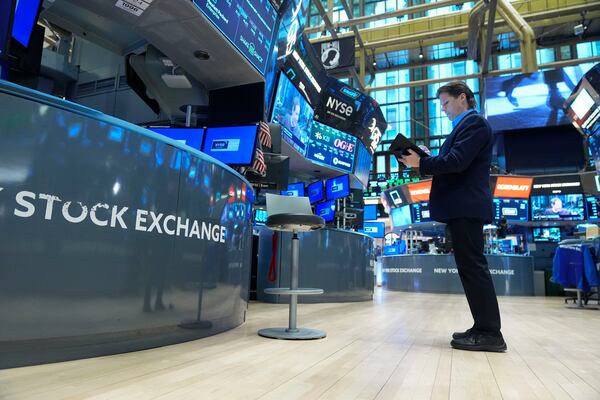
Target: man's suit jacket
column 461, row 172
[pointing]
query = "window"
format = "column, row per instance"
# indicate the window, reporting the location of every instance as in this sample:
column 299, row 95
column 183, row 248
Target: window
column 545, row 56
column 589, row 49
column 508, row 61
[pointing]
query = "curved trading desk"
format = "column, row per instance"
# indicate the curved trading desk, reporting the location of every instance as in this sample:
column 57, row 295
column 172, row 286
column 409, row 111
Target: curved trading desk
column 512, row 274
column 339, row 262
column 113, row 238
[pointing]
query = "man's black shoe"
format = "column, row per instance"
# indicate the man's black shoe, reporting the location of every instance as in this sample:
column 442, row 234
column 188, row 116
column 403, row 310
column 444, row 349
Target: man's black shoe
column 479, row 342
column 460, row 335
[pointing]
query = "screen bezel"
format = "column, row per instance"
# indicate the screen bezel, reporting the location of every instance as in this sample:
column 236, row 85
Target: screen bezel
column 237, row 126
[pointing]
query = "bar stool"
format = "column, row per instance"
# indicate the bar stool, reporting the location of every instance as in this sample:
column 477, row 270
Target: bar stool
column 292, row 214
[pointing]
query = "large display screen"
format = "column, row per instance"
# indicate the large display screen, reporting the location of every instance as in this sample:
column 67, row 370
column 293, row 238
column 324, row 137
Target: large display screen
column 26, row 14
column 374, row 229
column 420, row 212
column 326, row 210
column 260, row 216
column 557, row 207
column 337, row 187
column 294, row 189
column 231, row 145
column 531, row 100
column 189, row 136
column 362, row 163
column 545, row 234
column 370, row 212
column 583, row 106
column 315, row 192
column 293, row 113
column 511, row 209
column 248, row 24
column 592, row 205
column 401, row 216
column 331, row 147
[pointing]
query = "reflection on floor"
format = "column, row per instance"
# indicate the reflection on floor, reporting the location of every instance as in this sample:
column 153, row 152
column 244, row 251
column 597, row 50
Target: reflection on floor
column 395, row 347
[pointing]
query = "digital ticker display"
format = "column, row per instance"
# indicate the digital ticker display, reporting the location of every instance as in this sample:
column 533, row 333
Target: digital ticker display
column 248, row 24
column 511, row 209
column 331, row 147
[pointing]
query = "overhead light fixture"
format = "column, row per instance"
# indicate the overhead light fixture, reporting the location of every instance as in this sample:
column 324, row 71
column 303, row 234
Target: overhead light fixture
column 421, row 55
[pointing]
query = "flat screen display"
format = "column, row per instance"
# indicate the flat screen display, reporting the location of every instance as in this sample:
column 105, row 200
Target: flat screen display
column 248, row 24
column 315, row 192
column 260, row 217
column 374, row 229
column 26, row 14
column 331, row 147
column 592, row 205
column 5, row 20
column 326, row 210
column 557, row 207
column 338, row 187
column 551, row 234
column 420, row 212
column 362, row 164
column 511, row 209
column 401, row 216
column 231, row 145
column 189, row 136
column 293, row 113
column 294, row 189
column 370, row 212
column 531, row 100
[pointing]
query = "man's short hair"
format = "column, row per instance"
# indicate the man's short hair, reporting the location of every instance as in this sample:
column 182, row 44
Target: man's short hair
column 455, row 89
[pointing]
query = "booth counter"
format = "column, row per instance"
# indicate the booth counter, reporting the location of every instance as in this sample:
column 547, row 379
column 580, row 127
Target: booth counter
column 114, row 238
column 512, row 274
column 339, row 262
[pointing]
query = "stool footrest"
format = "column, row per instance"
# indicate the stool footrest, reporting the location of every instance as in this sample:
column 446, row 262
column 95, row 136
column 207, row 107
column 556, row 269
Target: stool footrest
column 299, row 291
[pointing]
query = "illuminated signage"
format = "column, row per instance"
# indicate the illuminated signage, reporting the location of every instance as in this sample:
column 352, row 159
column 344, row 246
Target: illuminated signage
column 339, row 107
column 512, row 187
column 375, row 135
column 331, row 147
column 419, row 191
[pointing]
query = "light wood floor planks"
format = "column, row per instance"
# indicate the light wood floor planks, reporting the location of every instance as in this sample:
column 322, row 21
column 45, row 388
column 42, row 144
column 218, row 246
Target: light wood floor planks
column 396, row 347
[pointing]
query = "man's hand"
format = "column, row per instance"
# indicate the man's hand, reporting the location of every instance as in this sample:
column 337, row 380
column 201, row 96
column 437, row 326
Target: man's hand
column 411, row 160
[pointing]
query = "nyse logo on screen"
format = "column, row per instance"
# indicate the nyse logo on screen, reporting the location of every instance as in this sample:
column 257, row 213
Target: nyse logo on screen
column 225, row 145
column 339, row 106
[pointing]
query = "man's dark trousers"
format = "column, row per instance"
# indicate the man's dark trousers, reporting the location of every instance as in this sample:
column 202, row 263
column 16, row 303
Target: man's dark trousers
column 467, row 241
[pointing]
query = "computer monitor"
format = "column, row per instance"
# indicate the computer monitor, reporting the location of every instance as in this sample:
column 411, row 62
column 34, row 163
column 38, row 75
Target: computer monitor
column 374, row 229
column 294, row 189
column 338, row 187
column 370, row 212
column 326, row 210
column 557, row 207
column 260, row 216
column 511, row 209
column 546, row 234
column 401, row 216
column 233, row 145
column 188, row 136
column 315, row 192
column 293, row 112
column 26, row 16
column 592, row 205
column 420, row 212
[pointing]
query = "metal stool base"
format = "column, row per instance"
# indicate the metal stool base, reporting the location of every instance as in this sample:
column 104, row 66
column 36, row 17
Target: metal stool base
column 296, row 334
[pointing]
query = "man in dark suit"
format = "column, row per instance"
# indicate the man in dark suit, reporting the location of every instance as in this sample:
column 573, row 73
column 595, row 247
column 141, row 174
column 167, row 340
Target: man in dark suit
column 461, row 198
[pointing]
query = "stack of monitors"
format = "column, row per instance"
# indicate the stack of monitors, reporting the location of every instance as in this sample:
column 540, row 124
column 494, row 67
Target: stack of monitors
column 511, row 209
column 546, row 234
column 294, row 189
column 234, row 145
column 335, row 188
column 557, row 207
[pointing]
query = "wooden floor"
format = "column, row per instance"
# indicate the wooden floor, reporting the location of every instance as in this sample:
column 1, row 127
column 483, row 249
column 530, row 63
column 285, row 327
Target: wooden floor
column 396, row 347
